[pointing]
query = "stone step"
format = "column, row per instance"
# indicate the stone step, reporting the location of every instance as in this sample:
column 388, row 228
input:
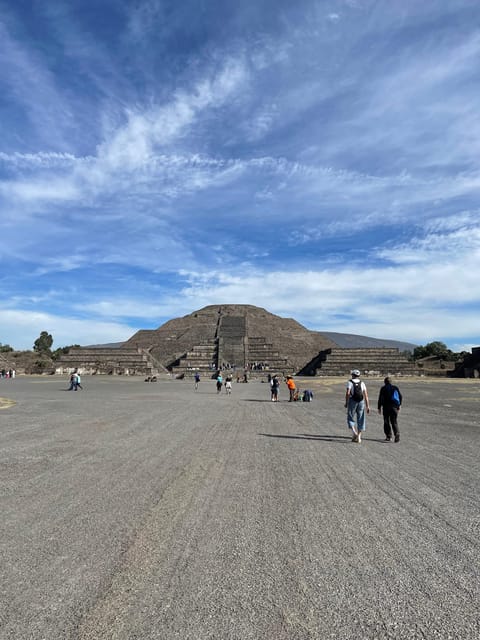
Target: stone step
column 378, row 361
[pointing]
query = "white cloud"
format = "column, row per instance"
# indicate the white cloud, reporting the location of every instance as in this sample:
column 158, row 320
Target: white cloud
column 122, row 306
column 39, row 191
column 133, row 144
column 350, row 120
column 33, row 87
column 24, row 327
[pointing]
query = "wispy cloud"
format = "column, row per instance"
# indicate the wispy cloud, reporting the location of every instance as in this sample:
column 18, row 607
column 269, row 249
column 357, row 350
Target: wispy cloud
column 152, row 164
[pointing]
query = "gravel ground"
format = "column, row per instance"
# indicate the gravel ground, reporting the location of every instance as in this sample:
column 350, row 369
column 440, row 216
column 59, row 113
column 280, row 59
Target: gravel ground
column 134, row 510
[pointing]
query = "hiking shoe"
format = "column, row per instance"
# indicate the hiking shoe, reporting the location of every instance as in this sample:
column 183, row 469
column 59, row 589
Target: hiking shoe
column 397, row 438
column 387, row 440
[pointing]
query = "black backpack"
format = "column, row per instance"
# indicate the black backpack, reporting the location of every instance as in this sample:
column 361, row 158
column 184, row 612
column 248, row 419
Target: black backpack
column 357, row 393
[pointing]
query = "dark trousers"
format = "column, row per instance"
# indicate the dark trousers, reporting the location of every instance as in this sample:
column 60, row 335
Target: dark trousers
column 390, row 421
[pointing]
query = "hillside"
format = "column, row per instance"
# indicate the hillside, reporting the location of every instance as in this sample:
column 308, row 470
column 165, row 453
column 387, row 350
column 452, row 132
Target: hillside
column 354, row 341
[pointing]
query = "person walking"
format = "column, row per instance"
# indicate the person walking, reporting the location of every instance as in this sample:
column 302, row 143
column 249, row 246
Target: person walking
column 228, row 385
column 291, row 387
column 356, row 403
column 390, row 400
column 197, row 380
column 73, row 380
column 219, row 382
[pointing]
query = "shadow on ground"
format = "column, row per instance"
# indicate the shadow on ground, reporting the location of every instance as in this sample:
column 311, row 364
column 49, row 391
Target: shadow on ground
column 322, row 437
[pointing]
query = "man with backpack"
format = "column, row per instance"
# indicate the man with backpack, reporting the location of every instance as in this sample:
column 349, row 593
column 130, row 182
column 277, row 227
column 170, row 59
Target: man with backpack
column 390, row 399
column 356, row 402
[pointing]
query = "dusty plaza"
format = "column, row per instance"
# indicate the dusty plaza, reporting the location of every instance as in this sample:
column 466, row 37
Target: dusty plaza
column 151, row 510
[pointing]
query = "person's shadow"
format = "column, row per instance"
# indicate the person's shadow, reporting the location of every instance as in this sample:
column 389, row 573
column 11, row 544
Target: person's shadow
column 310, row 436
column 320, row 437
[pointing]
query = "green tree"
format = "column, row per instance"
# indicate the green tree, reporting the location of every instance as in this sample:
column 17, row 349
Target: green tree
column 5, row 348
column 436, row 348
column 43, row 343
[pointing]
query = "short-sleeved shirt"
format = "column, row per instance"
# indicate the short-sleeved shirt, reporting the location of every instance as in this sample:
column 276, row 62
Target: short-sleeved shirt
column 350, row 385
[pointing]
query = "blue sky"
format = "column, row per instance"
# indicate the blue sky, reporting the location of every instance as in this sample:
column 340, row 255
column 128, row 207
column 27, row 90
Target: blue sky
column 319, row 159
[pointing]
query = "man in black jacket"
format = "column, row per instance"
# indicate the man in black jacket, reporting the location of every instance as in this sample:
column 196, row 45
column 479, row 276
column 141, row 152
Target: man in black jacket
column 390, row 399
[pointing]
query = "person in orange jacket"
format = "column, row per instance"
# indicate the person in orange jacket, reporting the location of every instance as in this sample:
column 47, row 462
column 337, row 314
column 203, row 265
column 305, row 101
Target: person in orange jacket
column 291, row 387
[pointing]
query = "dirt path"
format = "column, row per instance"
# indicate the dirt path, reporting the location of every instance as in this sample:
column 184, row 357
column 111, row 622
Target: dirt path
column 134, row 510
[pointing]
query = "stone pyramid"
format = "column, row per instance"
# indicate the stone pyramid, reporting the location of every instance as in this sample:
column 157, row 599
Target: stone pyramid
column 234, row 334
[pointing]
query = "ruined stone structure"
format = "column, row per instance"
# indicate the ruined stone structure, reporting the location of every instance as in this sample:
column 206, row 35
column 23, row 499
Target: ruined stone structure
column 434, row 366
column 233, row 337
column 470, row 366
column 26, row 362
column 5, row 363
column 377, row 361
column 113, row 361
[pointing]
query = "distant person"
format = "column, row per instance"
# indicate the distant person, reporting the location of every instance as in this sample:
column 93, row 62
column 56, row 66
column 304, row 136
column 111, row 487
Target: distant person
column 197, row 380
column 219, row 383
column 274, row 388
column 291, row 388
column 228, row 385
column 307, row 395
column 356, row 403
column 73, row 380
column 390, row 400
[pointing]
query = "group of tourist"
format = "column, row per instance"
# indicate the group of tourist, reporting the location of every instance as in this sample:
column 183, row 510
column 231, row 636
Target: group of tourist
column 257, row 366
column 8, row 373
column 225, row 365
column 357, row 401
column 220, row 382
column 293, row 393
column 75, row 381
column 357, row 404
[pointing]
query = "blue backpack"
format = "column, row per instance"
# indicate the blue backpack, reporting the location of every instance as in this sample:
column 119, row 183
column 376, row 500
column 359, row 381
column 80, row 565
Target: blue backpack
column 395, row 397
